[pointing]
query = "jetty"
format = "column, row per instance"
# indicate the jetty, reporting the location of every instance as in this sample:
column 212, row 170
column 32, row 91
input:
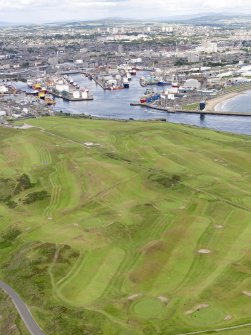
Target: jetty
column 69, row 98
column 204, row 112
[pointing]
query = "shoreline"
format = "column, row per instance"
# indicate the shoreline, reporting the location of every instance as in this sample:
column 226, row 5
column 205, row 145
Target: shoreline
column 213, row 103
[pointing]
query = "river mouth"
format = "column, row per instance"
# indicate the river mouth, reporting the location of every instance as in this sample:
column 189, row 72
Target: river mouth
column 116, row 105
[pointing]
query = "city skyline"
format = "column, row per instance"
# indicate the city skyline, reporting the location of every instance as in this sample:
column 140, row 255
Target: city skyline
column 37, row 11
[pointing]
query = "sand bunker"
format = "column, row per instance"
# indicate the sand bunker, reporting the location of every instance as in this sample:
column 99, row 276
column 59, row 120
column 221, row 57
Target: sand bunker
column 247, row 293
column 204, row 251
column 163, row 299
column 196, row 308
column 218, row 226
column 134, row 296
column 91, row 144
column 24, row 126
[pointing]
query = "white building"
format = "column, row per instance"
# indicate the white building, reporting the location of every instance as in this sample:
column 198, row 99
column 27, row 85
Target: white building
column 209, row 47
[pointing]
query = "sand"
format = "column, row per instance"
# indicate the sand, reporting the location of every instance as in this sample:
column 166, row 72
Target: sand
column 196, row 308
column 212, row 103
column 247, row 293
column 204, row 251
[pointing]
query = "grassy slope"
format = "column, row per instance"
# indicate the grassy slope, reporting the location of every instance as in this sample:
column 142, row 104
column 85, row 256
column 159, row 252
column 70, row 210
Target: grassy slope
column 126, row 220
column 10, row 321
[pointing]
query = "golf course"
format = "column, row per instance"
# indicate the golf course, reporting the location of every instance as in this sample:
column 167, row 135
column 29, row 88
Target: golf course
column 127, row 228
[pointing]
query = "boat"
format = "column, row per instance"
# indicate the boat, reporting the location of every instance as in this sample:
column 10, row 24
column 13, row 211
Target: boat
column 152, row 80
column 133, row 72
column 149, row 96
column 37, row 86
column 164, row 83
column 129, row 76
column 41, row 95
column 30, row 83
column 49, row 100
column 126, row 83
column 114, row 87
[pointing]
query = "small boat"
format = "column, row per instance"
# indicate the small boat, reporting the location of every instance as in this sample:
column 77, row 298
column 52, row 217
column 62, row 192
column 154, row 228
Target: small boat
column 49, row 100
column 128, row 75
column 133, row 72
column 149, row 96
column 29, row 83
column 126, row 83
column 164, row 83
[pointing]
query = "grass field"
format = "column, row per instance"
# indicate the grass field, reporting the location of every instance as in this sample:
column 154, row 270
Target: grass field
column 146, row 231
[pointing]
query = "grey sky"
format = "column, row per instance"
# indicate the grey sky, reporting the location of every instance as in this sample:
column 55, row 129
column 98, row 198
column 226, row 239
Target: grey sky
column 50, row 10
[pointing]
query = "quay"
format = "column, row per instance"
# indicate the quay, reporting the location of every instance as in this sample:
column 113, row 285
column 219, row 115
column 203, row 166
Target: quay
column 204, row 112
column 69, row 98
column 98, row 83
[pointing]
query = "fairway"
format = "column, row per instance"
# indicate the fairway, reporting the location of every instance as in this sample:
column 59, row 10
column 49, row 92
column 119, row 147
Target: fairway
column 145, row 231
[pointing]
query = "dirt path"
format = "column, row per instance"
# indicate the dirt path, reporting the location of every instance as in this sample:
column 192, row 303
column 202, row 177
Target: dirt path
column 217, row 330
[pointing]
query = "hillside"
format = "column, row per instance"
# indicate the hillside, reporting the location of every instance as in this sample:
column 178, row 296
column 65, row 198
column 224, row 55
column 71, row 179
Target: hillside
column 127, row 228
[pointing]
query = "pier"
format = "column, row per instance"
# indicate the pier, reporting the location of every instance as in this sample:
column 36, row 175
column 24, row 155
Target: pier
column 67, row 98
column 204, row 112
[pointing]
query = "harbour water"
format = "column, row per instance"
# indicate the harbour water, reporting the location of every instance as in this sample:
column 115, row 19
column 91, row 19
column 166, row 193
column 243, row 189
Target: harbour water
column 116, row 105
column 240, row 103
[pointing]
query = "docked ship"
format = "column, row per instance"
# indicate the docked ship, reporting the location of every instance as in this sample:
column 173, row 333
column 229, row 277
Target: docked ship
column 114, row 88
column 132, row 71
column 129, row 76
column 149, row 96
column 126, row 83
column 152, row 80
column 164, row 83
column 49, row 100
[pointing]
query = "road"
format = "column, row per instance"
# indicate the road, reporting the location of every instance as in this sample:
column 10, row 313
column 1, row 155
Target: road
column 22, row 309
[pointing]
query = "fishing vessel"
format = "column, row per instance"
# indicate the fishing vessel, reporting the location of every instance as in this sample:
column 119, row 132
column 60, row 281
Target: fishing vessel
column 149, row 96
column 151, row 80
column 164, row 83
column 126, row 83
column 49, row 100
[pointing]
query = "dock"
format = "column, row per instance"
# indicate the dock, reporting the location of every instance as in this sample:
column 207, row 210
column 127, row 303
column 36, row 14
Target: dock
column 69, row 98
column 98, row 83
column 204, row 112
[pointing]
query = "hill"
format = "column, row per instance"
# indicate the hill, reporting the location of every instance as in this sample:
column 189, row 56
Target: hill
column 127, row 228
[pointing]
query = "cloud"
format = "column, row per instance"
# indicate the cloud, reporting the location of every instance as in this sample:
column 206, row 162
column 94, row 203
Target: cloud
column 41, row 10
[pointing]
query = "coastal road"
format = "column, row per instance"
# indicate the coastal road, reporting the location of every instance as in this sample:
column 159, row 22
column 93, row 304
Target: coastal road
column 22, row 309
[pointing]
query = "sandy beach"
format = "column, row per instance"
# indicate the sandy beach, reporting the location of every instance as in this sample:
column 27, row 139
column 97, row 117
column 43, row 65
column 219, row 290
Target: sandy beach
column 212, row 103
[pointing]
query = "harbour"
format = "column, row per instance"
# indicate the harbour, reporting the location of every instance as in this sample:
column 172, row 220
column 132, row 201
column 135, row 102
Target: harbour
column 118, row 105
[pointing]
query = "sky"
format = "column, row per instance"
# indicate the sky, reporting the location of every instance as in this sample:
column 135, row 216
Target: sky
column 37, row 11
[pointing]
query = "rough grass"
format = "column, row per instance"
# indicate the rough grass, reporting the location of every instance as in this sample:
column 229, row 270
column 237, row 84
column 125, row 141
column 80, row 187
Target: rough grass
column 10, row 321
column 92, row 227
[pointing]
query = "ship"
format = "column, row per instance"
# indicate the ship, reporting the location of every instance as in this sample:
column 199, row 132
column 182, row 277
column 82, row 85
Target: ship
column 164, row 83
column 152, row 80
column 114, row 86
column 149, row 96
column 126, row 83
column 49, row 100
column 129, row 76
column 30, row 83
